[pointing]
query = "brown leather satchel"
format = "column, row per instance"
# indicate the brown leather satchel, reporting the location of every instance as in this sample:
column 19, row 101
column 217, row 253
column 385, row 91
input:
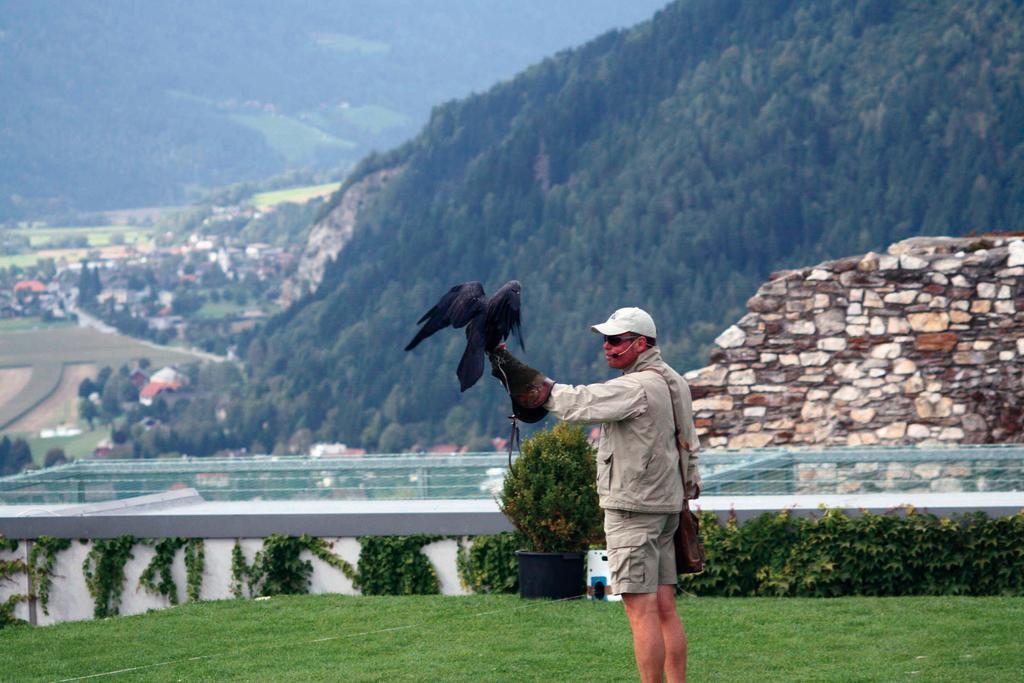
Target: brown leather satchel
column 689, row 549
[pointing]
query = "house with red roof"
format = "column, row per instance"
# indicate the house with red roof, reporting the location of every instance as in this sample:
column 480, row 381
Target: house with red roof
column 149, row 392
column 164, row 381
column 29, row 287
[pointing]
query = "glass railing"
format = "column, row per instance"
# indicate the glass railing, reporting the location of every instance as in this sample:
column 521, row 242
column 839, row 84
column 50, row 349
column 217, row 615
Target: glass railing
column 479, row 475
column 864, row 470
column 395, row 477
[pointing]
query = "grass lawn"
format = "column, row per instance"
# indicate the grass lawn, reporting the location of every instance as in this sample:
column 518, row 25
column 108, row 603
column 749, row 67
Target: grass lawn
column 502, row 638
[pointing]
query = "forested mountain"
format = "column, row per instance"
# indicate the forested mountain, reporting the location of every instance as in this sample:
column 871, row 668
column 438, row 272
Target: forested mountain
column 117, row 103
column 672, row 166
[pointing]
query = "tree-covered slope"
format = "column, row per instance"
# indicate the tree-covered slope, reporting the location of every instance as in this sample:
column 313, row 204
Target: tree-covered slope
column 116, row 103
column 672, row 166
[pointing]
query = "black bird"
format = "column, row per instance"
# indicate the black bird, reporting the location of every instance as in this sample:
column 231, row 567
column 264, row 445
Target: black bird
column 488, row 322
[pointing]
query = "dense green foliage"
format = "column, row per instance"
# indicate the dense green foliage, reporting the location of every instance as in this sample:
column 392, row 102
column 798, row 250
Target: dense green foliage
column 278, row 569
column 549, row 493
column 115, row 103
column 836, row 555
column 396, row 565
column 195, row 428
column 673, row 167
column 14, row 455
column 489, row 565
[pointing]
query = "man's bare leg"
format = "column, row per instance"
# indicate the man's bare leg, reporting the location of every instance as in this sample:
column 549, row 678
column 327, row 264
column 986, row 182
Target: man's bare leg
column 673, row 635
column 648, row 646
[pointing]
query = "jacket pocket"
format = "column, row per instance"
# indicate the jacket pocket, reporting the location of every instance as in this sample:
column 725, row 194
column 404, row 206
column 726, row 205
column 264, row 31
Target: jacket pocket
column 604, row 473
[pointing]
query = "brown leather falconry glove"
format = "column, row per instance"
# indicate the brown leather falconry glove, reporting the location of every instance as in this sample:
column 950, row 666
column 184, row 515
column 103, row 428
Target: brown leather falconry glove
column 528, row 387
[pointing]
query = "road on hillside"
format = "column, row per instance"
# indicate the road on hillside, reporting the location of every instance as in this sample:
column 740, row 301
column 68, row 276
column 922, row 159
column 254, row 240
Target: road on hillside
column 87, row 320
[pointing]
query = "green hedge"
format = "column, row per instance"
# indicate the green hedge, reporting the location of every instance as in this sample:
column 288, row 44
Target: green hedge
column 833, row 554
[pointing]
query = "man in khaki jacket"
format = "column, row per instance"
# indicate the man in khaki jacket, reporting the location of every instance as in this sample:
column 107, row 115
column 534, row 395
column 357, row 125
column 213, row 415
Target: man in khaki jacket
column 638, row 479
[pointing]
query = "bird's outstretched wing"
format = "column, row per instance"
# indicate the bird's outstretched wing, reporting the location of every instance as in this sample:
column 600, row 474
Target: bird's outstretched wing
column 503, row 316
column 471, row 366
column 456, row 308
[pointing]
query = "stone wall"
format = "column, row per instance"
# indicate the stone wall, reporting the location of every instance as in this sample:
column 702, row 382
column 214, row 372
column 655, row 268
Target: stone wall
column 921, row 345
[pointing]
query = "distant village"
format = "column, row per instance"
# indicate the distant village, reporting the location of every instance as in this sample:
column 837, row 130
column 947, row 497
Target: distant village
column 159, row 292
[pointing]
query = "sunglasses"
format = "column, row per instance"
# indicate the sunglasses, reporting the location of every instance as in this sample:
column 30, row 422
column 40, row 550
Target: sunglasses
column 617, row 339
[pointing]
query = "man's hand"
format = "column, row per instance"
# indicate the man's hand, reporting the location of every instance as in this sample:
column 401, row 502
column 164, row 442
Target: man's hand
column 692, row 491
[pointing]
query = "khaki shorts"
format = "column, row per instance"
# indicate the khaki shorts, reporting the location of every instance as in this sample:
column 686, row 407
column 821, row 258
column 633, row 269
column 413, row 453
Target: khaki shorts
column 641, row 555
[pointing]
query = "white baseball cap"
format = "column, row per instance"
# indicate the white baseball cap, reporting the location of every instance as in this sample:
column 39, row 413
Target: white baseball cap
column 624, row 320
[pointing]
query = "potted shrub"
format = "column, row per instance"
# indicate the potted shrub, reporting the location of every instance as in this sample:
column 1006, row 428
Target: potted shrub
column 550, row 496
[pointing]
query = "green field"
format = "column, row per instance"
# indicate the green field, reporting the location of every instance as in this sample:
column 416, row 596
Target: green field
column 20, row 260
column 374, row 118
column 50, row 242
column 49, row 351
column 32, row 323
column 220, row 309
column 79, row 345
column 80, row 446
column 503, row 638
column 229, row 309
column 98, row 236
column 293, row 139
column 295, row 195
column 43, row 382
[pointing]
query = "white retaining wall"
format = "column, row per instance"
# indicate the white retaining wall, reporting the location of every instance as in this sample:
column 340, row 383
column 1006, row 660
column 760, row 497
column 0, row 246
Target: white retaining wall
column 70, row 599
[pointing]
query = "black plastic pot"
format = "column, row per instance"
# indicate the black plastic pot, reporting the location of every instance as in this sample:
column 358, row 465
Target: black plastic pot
column 550, row 575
